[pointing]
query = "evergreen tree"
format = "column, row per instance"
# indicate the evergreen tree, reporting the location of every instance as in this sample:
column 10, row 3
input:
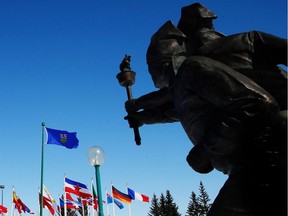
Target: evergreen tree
column 155, row 208
column 198, row 206
column 203, row 200
column 171, row 209
column 162, row 205
column 193, row 206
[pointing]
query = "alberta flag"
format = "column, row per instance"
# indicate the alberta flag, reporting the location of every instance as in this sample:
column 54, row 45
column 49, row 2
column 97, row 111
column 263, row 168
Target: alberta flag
column 62, row 138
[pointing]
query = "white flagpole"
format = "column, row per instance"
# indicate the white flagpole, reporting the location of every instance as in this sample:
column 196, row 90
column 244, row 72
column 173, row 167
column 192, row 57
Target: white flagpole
column 82, row 206
column 65, row 207
column 128, row 204
column 60, row 212
column 88, row 208
column 93, row 211
column 107, row 207
column 12, row 207
column 113, row 207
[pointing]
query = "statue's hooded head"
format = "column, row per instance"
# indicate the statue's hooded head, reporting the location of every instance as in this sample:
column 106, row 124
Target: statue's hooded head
column 167, row 46
column 195, row 17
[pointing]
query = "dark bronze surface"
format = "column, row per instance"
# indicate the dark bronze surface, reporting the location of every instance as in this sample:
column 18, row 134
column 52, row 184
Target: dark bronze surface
column 126, row 78
column 230, row 95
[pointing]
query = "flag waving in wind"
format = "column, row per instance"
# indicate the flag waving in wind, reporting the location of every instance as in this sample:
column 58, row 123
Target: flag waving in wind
column 121, row 196
column 62, row 138
column 50, row 198
column 137, row 196
column 48, row 204
column 95, row 198
column 19, row 205
column 76, row 188
column 3, row 210
column 117, row 202
column 16, row 202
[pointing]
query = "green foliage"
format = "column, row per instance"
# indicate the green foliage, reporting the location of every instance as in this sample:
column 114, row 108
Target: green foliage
column 193, row 206
column 165, row 206
column 171, row 209
column 198, row 206
column 203, row 200
column 155, row 207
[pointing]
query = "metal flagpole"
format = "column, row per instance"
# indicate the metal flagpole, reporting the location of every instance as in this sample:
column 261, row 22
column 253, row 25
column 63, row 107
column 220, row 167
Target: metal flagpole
column 82, row 206
column 42, row 165
column 60, row 212
column 128, row 204
column 107, row 206
column 93, row 210
column 13, row 205
column 65, row 206
column 113, row 208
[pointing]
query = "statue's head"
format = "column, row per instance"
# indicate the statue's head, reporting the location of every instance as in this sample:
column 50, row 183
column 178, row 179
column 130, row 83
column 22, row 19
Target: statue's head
column 166, row 45
column 195, row 17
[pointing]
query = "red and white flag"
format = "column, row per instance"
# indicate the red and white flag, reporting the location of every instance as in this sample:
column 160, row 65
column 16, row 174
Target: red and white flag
column 3, row 210
column 76, row 188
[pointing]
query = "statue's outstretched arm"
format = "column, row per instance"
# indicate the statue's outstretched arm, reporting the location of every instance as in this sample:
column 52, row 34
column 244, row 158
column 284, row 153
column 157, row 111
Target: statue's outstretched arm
column 148, row 101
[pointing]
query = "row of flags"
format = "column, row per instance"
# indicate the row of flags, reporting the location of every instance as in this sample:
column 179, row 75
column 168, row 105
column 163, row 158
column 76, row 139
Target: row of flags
column 18, row 204
column 70, row 141
column 82, row 192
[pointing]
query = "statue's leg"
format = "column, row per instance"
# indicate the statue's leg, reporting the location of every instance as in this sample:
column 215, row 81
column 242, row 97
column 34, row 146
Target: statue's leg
column 258, row 186
column 245, row 194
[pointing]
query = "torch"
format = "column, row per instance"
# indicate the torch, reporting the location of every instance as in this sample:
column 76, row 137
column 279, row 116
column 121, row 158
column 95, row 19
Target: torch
column 126, row 78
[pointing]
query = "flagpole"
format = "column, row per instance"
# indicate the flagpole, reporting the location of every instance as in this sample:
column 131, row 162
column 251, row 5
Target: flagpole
column 113, row 207
column 65, row 206
column 12, row 207
column 93, row 212
column 128, row 204
column 42, row 165
column 88, row 208
column 107, row 207
column 82, row 206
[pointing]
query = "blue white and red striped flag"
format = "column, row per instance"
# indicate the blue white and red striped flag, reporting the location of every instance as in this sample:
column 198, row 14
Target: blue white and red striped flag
column 137, row 196
column 76, row 188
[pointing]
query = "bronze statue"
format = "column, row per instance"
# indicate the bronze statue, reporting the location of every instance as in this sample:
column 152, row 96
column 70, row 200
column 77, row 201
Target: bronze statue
column 126, row 78
column 230, row 96
column 125, row 64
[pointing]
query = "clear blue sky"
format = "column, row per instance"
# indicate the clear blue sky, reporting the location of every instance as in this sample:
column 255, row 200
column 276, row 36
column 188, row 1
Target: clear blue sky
column 58, row 62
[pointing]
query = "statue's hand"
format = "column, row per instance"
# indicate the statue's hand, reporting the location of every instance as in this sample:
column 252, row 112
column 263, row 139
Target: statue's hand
column 131, row 106
column 134, row 120
column 198, row 159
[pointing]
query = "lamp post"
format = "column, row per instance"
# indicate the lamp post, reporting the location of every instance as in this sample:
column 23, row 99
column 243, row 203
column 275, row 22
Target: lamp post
column 96, row 158
column 2, row 188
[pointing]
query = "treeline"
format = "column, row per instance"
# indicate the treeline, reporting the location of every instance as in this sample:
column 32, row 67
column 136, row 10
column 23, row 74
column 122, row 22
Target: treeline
column 165, row 205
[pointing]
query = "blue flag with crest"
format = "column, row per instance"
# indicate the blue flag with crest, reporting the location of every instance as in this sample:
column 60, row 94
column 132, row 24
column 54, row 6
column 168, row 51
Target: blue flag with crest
column 62, row 138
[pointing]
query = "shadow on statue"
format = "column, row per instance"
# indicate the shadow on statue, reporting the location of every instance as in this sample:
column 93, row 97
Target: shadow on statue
column 230, row 95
